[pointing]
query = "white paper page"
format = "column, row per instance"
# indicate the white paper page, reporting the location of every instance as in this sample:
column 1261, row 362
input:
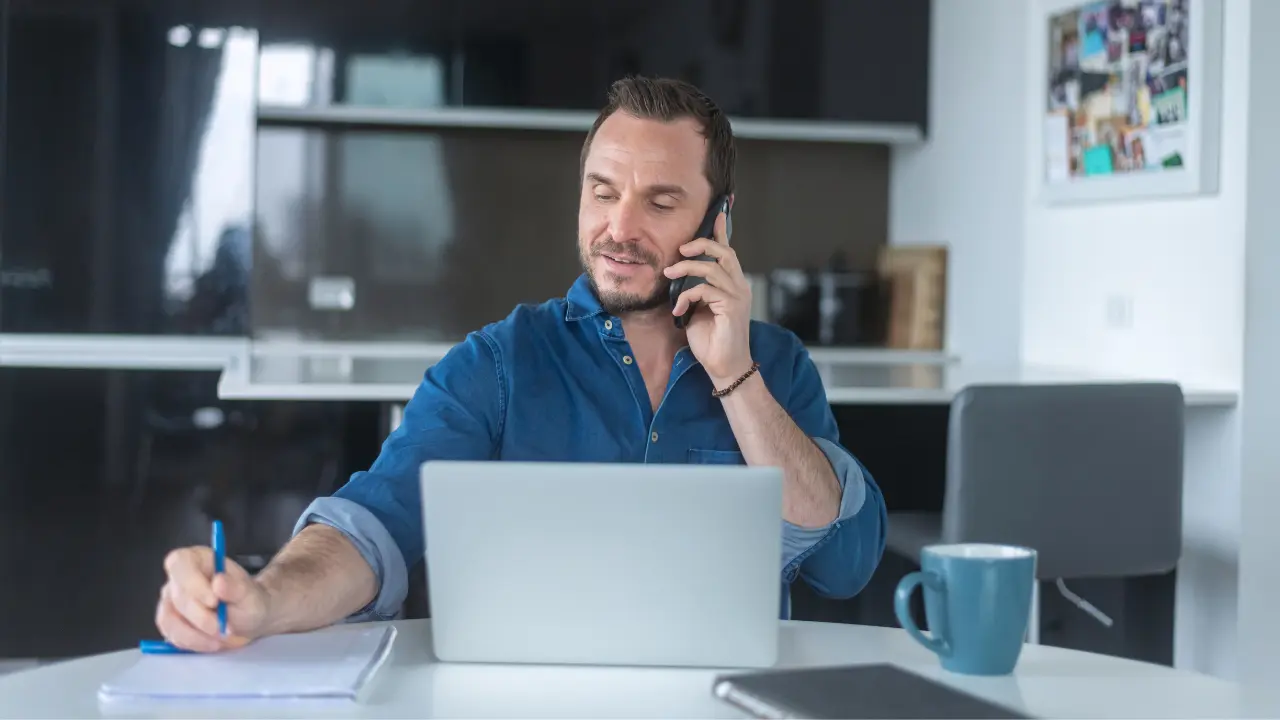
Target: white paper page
column 331, row 663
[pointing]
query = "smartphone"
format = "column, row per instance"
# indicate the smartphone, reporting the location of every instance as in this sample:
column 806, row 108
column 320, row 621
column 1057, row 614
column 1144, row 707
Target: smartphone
column 705, row 230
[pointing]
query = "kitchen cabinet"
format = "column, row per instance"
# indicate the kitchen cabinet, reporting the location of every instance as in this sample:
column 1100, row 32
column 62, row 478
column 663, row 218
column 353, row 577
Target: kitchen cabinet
column 846, row 61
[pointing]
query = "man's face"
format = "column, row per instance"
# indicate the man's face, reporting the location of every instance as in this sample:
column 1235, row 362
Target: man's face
column 643, row 196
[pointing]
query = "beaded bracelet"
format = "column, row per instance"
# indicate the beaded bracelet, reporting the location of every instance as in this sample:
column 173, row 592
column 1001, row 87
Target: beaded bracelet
column 721, row 393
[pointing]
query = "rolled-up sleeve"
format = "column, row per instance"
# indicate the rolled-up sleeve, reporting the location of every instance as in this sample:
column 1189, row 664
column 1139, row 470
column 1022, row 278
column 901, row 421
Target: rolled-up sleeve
column 455, row 414
column 839, row 559
column 363, row 529
column 798, row 540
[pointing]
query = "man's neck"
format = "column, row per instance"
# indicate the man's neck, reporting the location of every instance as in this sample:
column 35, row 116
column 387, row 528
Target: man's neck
column 653, row 335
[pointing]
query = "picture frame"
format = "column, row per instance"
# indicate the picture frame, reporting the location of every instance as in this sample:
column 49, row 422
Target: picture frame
column 1130, row 99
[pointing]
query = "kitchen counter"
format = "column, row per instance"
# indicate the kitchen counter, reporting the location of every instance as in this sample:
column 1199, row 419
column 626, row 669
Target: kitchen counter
column 391, row 372
column 291, row 369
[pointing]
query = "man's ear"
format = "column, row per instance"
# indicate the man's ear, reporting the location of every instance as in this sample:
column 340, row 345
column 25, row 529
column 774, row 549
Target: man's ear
column 731, row 196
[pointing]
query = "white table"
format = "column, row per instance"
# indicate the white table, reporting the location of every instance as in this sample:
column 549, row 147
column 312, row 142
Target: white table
column 1049, row 682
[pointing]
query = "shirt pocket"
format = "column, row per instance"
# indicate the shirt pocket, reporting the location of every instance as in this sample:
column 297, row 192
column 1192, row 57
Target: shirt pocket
column 716, row 457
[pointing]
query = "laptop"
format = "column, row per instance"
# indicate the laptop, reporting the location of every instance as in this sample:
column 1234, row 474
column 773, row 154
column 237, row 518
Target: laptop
column 603, row 564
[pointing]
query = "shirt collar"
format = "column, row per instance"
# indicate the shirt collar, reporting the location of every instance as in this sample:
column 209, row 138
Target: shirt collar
column 581, row 302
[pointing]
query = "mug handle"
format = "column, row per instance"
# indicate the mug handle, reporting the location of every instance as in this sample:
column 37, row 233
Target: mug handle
column 902, row 608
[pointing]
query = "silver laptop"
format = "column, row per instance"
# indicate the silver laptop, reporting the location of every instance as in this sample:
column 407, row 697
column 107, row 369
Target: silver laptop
column 607, row 564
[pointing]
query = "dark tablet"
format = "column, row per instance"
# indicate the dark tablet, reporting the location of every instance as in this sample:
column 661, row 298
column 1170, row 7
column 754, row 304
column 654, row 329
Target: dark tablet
column 854, row 691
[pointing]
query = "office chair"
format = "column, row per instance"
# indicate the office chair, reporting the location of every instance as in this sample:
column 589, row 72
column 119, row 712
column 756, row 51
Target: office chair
column 1090, row 476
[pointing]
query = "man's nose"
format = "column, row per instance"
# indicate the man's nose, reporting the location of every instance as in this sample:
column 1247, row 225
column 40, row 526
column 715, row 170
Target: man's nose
column 626, row 221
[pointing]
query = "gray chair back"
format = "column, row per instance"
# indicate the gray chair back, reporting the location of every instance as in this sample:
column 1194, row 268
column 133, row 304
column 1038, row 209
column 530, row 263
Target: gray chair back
column 1088, row 475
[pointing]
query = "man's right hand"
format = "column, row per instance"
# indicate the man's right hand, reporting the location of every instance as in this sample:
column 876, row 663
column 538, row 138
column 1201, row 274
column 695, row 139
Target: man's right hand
column 187, row 612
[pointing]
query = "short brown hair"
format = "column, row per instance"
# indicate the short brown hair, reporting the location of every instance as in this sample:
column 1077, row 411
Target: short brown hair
column 668, row 99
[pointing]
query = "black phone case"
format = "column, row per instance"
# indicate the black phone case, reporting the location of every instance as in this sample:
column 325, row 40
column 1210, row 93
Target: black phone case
column 705, row 230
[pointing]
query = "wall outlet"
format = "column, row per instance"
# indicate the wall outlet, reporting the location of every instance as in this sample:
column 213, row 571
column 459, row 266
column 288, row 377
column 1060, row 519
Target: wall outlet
column 1120, row 312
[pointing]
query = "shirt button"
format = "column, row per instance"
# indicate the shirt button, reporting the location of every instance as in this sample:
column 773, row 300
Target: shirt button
column 654, row 437
column 626, row 360
column 608, row 324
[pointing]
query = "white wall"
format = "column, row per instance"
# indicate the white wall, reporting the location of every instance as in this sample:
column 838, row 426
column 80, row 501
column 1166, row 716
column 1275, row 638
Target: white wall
column 1260, row 412
column 964, row 188
column 1206, row 616
column 1178, row 263
column 1032, row 283
column 1042, row 285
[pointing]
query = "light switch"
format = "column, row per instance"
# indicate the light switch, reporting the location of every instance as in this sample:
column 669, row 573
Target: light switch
column 332, row 292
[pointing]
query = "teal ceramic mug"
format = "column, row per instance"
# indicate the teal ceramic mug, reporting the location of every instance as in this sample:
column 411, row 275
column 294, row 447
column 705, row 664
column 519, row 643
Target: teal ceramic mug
column 977, row 599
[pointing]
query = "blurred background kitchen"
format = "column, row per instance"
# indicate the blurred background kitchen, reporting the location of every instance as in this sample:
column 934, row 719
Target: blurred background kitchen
column 235, row 233
column 181, row 176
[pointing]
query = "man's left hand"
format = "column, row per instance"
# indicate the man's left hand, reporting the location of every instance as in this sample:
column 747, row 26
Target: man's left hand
column 719, row 330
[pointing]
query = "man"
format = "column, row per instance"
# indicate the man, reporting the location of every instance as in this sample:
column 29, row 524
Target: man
column 601, row 375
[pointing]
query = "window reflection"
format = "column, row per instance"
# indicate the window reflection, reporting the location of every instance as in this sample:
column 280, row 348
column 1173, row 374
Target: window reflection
column 215, row 216
column 395, row 81
column 290, row 165
column 399, row 183
column 379, row 202
column 208, row 260
column 295, row 75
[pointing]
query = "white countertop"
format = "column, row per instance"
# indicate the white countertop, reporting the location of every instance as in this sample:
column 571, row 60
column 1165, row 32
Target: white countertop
column 391, row 372
column 1048, row 683
column 120, row 352
column 291, row 369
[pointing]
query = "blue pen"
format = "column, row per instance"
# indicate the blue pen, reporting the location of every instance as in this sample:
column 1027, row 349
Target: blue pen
column 219, row 566
column 161, row 647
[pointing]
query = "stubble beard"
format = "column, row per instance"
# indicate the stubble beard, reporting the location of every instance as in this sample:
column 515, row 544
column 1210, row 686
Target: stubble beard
column 617, row 302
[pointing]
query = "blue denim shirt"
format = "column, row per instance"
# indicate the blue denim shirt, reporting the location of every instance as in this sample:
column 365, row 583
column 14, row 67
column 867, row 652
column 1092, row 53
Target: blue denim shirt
column 493, row 395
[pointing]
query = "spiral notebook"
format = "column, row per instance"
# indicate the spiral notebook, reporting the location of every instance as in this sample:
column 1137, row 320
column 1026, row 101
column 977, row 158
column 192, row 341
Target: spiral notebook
column 333, row 664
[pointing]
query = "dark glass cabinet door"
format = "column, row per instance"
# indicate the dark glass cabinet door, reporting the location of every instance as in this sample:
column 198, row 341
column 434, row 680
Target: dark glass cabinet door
column 4, row 57
column 127, row 184
column 846, row 60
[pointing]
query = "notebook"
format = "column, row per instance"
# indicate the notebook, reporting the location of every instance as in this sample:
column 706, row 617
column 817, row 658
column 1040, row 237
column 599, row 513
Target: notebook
column 332, row 664
column 853, row 692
